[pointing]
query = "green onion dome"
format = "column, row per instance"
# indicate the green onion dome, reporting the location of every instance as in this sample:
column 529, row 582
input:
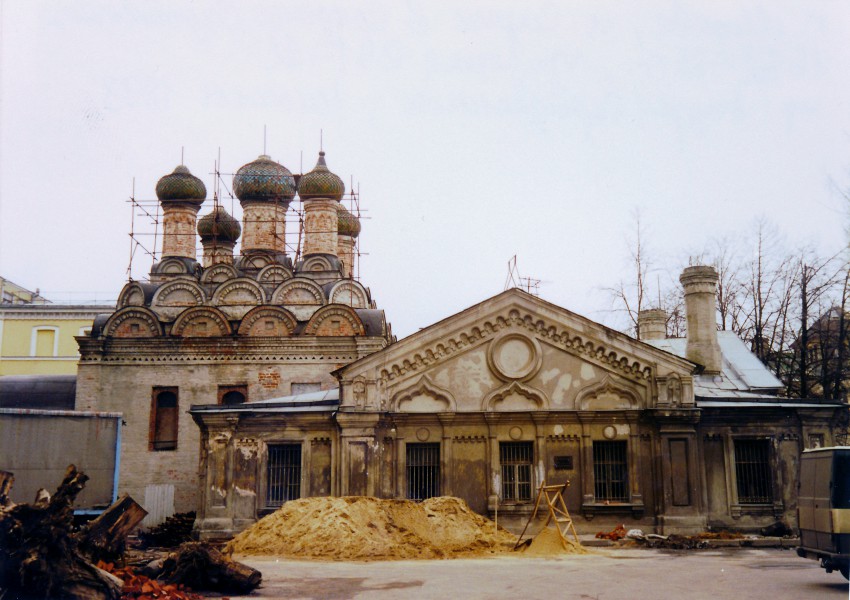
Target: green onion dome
column 181, row 186
column 348, row 224
column 219, row 225
column 264, row 180
column 321, row 183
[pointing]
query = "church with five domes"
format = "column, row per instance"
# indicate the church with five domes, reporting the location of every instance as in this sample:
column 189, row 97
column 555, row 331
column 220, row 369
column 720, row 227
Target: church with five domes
column 227, row 328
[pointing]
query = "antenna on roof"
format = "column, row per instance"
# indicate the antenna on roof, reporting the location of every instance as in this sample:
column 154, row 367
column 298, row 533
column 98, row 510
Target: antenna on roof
column 529, row 285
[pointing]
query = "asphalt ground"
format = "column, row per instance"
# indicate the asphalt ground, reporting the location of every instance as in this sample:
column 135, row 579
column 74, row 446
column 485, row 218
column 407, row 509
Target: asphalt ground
column 605, row 574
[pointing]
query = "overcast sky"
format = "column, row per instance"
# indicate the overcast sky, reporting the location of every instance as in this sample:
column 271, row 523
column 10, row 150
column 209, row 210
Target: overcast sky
column 475, row 131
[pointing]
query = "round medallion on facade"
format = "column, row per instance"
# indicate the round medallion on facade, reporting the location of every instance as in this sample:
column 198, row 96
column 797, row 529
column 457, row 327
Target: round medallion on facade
column 219, row 225
column 321, row 183
column 347, row 223
column 610, row 432
column 264, row 180
column 181, row 186
column 515, row 432
column 514, row 356
column 422, row 434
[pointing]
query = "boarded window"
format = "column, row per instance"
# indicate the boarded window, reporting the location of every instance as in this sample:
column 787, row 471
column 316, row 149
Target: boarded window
column 610, row 471
column 752, row 471
column 423, row 471
column 164, row 412
column 45, row 342
column 284, row 474
column 516, row 459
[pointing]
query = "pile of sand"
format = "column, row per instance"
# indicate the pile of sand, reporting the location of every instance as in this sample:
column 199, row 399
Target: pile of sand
column 365, row 528
column 548, row 543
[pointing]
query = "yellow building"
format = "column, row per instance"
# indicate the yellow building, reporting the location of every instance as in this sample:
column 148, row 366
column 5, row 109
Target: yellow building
column 38, row 339
column 12, row 293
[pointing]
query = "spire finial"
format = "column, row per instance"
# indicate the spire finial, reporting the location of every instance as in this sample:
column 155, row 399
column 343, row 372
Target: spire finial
column 182, row 148
column 321, row 147
column 264, row 139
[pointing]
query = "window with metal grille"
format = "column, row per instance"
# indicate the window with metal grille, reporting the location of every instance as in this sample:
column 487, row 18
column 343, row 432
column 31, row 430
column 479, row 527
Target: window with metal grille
column 611, row 471
column 752, row 471
column 516, row 459
column 163, row 424
column 423, row 471
column 284, row 474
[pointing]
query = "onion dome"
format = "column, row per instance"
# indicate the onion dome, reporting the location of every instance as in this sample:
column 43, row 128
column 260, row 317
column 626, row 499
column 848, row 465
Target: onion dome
column 181, row 186
column 219, row 225
column 264, row 180
column 348, row 224
column 321, row 183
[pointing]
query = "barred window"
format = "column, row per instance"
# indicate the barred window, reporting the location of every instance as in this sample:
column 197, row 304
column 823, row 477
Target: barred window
column 516, row 459
column 611, row 471
column 423, row 471
column 284, row 474
column 752, row 471
column 163, row 424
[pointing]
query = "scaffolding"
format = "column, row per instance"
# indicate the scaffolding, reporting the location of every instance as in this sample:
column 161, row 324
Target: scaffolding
column 146, row 220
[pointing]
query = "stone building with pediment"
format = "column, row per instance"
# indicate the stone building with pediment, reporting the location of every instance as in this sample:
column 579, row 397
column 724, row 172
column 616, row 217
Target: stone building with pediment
column 665, row 435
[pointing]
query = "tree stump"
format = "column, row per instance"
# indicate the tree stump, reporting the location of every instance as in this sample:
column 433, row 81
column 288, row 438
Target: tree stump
column 199, row 566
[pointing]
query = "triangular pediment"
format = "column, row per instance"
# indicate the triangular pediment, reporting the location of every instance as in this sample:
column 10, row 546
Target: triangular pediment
column 492, row 354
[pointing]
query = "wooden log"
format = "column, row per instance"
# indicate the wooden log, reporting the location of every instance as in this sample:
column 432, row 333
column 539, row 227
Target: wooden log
column 104, row 537
column 199, row 566
column 7, row 479
column 39, row 556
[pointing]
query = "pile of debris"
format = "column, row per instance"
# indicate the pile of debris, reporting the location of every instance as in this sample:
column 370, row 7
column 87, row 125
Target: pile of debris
column 365, row 528
column 670, row 542
column 41, row 556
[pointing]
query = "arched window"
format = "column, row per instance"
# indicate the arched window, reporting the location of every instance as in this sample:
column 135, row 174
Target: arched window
column 164, row 412
column 232, row 394
column 233, row 397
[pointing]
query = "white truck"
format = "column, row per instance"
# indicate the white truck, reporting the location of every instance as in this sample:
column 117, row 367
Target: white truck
column 823, row 507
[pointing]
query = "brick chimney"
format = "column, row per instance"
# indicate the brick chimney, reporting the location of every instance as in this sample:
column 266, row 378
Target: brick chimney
column 700, row 285
column 652, row 324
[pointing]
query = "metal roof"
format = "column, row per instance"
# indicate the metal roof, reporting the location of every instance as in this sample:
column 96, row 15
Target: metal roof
column 789, row 403
column 38, row 391
column 321, row 401
column 743, row 375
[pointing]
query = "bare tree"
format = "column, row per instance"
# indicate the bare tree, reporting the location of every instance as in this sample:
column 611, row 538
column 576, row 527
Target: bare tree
column 629, row 297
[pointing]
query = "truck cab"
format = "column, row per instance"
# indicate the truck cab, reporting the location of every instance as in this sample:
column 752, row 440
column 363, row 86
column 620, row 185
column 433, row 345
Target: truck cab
column 823, row 507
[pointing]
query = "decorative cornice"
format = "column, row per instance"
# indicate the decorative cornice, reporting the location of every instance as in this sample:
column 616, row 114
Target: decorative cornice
column 228, row 350
column 62, row 314
column 584, row 347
